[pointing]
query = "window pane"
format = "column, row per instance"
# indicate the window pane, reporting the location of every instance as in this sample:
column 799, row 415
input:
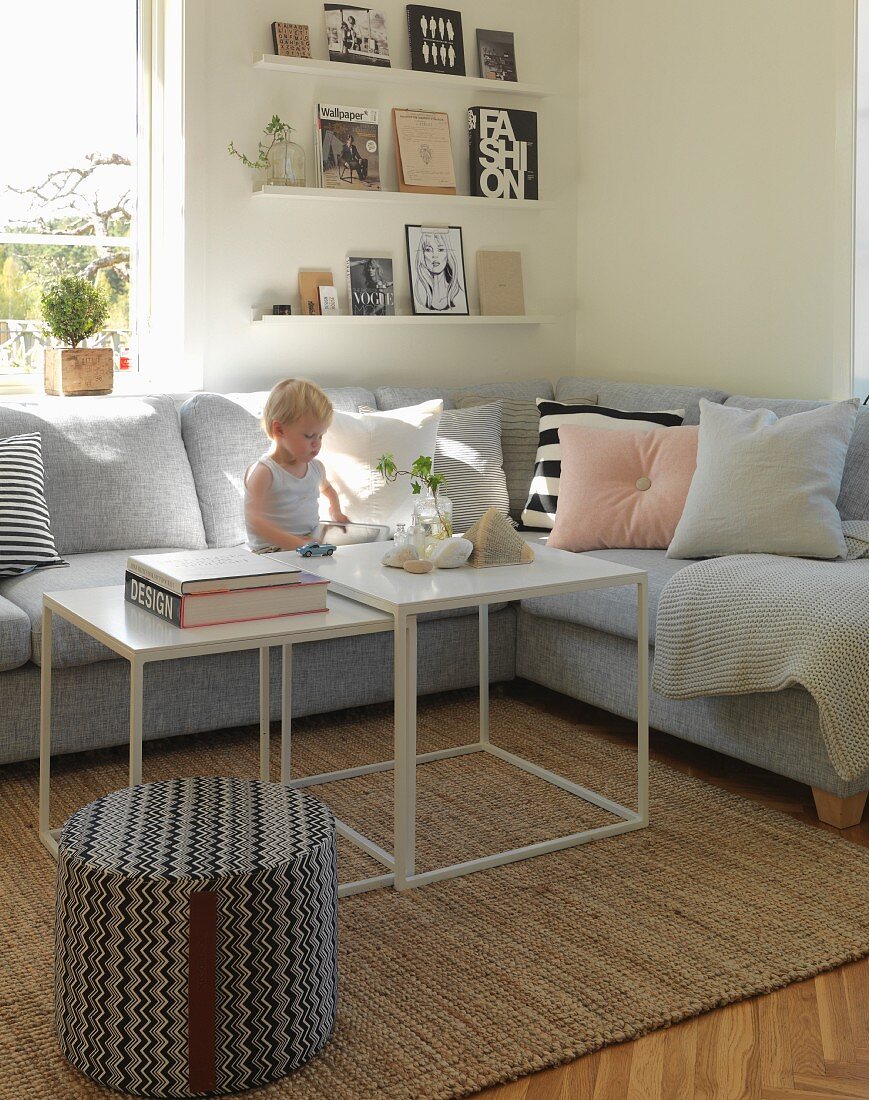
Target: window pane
column 23, row 270
column 70, row 141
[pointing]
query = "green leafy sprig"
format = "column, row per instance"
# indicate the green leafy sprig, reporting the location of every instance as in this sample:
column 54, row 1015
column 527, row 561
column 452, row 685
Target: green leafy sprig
column 277, row 131
column 420, row 474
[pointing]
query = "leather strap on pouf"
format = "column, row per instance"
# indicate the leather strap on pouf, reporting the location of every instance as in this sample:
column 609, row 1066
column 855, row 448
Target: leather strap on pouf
column 196, row 936
column 201, row 991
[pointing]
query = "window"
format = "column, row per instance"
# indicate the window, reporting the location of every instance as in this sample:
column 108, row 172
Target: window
column 68, row 188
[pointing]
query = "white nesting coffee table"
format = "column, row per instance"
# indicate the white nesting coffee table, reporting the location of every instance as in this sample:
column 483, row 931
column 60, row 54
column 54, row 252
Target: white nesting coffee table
column 357, row 572
column 141, row 638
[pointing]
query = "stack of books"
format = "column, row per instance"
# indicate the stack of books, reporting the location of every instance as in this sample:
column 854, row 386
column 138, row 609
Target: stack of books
column 213, row 587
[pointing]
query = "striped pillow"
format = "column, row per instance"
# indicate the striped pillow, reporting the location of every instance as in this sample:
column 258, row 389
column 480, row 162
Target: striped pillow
column 543, row 495
column 468, row 454
column 26, row 541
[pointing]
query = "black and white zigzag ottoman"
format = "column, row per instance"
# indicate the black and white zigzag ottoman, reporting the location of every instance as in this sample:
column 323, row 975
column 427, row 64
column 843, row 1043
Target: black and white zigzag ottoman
column 195, row 944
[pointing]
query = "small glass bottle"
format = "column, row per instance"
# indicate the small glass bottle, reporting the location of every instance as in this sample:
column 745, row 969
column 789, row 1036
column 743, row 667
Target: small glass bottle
column 399, row 539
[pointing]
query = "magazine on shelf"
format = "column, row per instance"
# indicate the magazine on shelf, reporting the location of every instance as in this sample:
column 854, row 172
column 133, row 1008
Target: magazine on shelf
column 436, row 42
column 356, row 35
column 306, row 595
column 503, row 152
column 497, row 54
column 291, row 40
column 348, row 141
column 370, row 286
column 423, row 151
column 216, row 570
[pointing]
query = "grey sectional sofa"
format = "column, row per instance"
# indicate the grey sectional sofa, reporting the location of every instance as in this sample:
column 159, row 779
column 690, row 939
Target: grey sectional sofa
column 135, row 474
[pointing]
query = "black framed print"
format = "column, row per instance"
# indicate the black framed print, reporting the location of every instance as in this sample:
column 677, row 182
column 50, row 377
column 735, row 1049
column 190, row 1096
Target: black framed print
column 436, row 266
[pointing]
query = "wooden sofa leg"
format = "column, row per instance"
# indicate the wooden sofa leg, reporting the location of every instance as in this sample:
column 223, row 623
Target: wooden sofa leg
column 842, row 813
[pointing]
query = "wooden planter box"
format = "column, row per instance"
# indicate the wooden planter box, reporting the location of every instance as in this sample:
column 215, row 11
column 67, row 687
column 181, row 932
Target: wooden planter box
column 79, row 372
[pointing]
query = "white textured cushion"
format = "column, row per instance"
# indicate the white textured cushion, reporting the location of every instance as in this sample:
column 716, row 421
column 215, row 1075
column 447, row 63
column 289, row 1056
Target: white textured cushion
column 764, row 485
column 353, row 446
column 469, row 457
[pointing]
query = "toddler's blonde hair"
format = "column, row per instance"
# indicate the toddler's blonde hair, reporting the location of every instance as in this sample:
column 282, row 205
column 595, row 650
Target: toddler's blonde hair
column 292, row 398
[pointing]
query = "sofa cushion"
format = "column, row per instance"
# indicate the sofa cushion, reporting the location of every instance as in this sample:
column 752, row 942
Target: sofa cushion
column 622, row 488
column 14, row 636
column 396, row 397
column 468, row 454
column 21, row 610
column 70, row 645
column 612, row 610
column 853, row 502
column 26, row 541
column 223, row 436
column 116, row 472
column 636, row 396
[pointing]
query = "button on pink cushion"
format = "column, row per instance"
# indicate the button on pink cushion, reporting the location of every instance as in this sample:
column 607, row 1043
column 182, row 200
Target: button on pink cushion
column 621, row 488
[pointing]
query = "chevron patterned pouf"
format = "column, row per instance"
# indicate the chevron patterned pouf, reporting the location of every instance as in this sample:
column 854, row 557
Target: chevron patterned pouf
column 195, row 942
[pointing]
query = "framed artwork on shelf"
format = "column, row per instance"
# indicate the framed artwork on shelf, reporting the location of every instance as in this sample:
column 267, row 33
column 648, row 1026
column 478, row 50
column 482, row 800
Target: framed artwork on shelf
column 497, row 55
column 356, row 35
column 291, row 40
column 436, row 266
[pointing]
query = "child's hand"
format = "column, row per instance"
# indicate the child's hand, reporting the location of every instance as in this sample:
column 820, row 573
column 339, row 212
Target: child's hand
column 339, row 517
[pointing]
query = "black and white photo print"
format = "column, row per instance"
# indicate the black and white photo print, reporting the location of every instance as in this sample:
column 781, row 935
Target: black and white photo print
column 436, row 42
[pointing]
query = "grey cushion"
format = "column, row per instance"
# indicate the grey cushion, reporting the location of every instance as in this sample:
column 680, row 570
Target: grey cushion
column 468, row 454
column 637, row 396
column 14, row 636
column 70, row 645
column 612, row 610
column 520, row 430
column 116, row 472
column 223, row 436
column 399, row 397
column 853, row 500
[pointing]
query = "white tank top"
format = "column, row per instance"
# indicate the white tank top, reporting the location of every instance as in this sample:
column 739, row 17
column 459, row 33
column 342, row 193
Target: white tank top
column 292, row 503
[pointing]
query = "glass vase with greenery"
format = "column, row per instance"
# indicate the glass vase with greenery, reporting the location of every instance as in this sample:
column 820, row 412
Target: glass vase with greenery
column 421, row 477
column 280, row 162
column 74, row 309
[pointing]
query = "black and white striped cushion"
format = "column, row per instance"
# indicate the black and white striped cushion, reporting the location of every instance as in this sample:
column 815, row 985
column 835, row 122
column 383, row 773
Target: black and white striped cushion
column 543, row 495
column 468, row 454
column 26, row 541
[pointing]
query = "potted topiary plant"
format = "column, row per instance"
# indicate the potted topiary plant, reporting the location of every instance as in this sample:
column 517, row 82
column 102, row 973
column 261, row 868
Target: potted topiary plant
column 73, row 310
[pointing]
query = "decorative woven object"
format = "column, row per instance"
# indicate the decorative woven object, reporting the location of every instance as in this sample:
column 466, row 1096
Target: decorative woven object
column 195, row 943
column 496, row 542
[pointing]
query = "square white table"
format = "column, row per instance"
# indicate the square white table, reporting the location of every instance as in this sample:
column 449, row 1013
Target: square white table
column 141, row 638
column 357, row 572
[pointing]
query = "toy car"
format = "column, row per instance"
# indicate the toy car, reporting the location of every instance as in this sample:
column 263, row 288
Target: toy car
column 315, row 549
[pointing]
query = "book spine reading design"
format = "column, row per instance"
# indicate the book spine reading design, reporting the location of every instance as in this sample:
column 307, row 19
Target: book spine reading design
column 151, row 597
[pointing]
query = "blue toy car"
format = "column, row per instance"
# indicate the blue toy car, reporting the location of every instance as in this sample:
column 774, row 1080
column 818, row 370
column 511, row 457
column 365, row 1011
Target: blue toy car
column 315, row 549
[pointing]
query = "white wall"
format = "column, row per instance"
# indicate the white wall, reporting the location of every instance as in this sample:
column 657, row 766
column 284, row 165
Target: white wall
column 715, row 183
column 241, row 253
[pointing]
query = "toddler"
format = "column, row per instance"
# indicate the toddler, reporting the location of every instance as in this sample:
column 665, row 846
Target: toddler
column 282, row 489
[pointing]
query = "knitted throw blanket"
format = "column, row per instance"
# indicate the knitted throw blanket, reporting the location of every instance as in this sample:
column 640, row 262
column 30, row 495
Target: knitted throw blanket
column 760, row 622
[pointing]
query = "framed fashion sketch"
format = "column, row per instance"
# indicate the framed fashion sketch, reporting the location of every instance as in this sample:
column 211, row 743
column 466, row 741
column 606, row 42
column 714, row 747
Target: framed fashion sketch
column 436, row 266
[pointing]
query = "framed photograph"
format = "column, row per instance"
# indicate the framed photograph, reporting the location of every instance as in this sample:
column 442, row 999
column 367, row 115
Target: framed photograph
column 497, row 55
column 436, row 264
column 356, row 35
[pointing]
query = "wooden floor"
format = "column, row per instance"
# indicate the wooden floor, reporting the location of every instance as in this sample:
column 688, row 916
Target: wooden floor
column 809, row 1041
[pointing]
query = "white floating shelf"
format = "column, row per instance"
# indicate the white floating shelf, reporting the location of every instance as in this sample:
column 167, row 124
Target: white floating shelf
column 408, row 198
column 260, row 318
column 306, row 66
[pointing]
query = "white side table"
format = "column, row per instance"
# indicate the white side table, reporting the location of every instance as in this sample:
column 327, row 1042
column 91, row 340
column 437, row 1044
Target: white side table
column 357, row 572
column 141, row 638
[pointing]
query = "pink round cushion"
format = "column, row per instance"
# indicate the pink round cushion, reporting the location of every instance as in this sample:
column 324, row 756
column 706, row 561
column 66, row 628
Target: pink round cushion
column 621, row 488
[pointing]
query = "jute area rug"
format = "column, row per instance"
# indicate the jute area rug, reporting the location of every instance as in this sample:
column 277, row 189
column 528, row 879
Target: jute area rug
column 464, row 984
